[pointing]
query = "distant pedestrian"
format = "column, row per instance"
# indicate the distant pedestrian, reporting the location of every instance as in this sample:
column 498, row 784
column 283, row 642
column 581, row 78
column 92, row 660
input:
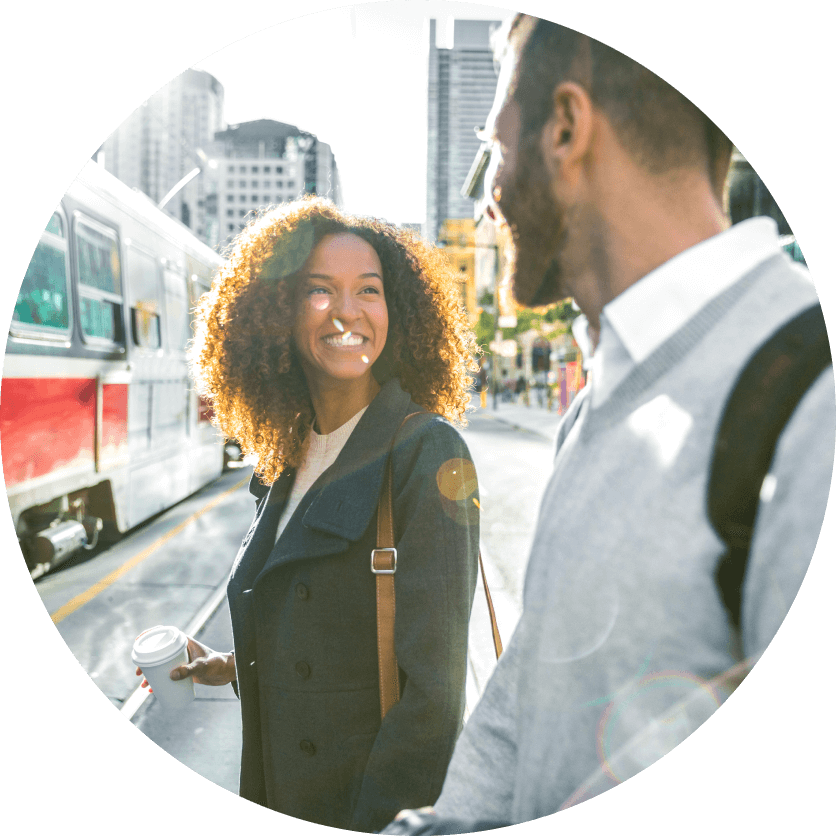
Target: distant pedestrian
column 520, row 387
column 611, row 183
column 483, row 385
column 320, row 335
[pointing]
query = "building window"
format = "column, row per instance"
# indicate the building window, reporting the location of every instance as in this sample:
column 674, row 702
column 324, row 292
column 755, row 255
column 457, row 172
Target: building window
column 255, row 198
column 291, row 184
column 242, row 169
column 279, row 184
column 230, row 184
column 230, row 213
column 242, row 213
column 242, row 184
column 267, row 169
column 278, row 169
column 242, row 198
column 255, row 184
column 231, row 227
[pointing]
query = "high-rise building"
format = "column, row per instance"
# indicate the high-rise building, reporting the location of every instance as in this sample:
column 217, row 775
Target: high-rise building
column 165, row 139
column 462, row 85
column 261, row 163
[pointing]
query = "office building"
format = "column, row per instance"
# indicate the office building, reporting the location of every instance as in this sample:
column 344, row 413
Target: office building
column 262, row 163
column 462, row 84
column 165, row 139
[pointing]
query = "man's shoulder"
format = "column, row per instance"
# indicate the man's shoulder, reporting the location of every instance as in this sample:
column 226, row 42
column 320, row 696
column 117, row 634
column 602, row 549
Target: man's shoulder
column 784, row 288
column 781, row 290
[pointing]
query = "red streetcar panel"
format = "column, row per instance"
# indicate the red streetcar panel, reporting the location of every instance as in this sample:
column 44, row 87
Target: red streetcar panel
column 46, row 425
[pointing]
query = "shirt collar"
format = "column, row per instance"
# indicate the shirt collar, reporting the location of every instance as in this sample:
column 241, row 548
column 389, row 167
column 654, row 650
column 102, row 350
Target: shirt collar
column 660, row 303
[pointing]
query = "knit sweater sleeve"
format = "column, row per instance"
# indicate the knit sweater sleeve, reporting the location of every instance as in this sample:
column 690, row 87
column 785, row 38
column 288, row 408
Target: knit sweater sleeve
column 479, row 783
column 790, row 515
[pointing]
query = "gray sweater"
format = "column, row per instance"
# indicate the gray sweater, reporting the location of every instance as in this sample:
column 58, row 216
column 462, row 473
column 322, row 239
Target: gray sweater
column 622, row 622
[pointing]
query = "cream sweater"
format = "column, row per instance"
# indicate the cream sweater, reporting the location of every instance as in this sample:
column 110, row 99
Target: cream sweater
column 322, row 453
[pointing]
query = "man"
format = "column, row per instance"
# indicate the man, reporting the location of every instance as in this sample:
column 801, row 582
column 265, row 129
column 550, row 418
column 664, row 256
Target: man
column 611, row 184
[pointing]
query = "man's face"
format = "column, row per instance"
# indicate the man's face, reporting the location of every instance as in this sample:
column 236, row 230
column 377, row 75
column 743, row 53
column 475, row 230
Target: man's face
column 519, row 186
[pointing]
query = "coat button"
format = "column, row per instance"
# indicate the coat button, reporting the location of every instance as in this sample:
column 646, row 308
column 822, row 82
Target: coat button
column 302, row 591
column 307, row 747
column 303, row 669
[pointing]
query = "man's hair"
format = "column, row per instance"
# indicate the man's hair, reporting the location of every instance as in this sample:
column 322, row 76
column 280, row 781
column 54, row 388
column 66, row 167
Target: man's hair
column 657, row 125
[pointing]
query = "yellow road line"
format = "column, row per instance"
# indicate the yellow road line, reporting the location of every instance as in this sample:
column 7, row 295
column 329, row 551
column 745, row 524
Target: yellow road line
column 80, row 600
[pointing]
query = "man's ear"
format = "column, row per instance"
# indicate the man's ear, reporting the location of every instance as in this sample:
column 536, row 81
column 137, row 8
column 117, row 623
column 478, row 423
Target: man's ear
column 567, row 135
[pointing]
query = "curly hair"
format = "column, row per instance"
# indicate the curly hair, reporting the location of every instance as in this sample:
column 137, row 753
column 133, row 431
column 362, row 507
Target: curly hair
column 242, row 356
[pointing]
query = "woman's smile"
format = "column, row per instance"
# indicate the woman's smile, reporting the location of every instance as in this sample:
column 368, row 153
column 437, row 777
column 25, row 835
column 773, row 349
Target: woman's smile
column 346, row 340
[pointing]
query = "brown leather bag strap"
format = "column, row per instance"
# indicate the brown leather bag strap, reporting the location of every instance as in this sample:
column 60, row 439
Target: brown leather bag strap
column 384, row 565
column 497, row 640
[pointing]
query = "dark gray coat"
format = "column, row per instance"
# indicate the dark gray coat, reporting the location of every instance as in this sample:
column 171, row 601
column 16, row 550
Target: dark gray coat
column 304, row 626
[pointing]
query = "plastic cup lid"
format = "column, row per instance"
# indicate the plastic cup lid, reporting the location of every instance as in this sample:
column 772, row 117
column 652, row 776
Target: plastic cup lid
column 157, row 645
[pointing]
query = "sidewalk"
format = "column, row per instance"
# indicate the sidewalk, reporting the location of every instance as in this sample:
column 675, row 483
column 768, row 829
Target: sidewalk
column 533, row 419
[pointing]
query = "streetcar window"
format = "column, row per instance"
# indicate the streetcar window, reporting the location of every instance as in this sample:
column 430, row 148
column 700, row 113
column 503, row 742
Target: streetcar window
column 178, row 326
column 43, row 299
column 99, row 281
column 101, row 319
column 55, row 225
column 98, row 258
column 144, row 287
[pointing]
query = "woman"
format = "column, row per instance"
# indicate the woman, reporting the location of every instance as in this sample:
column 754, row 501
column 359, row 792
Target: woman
column 321, row 334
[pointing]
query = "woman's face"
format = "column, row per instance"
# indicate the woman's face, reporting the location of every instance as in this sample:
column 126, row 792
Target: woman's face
column 342, row 321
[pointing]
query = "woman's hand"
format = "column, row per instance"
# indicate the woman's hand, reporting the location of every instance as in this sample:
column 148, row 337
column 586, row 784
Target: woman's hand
column 206, row 666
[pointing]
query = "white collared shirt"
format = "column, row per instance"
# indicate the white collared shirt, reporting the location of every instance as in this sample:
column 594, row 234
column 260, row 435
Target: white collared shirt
column 642, row 317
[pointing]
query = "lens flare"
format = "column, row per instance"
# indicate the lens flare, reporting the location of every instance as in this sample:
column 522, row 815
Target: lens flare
column 365, row 359
column 644, row 723
column 456, row 479
column 338, row 325
column 319, row 302
column 458, row 488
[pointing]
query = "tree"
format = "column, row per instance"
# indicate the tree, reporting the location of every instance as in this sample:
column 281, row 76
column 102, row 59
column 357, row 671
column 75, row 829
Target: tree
column 553, row 320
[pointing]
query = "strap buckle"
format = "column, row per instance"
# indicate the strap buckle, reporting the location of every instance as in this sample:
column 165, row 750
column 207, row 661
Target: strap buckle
column 385, row 571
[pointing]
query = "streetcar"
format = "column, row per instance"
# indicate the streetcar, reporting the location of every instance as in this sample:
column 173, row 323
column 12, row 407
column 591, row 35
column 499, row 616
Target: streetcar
column 100, row 426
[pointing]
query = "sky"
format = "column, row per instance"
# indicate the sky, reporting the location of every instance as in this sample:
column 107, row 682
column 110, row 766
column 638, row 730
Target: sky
column 357, row 78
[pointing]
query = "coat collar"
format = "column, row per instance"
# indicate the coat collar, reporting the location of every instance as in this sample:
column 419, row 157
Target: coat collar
column 341, row 503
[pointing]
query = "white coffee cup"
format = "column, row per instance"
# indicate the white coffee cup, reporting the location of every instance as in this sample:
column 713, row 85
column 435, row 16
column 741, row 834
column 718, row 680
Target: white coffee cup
column 158, row 651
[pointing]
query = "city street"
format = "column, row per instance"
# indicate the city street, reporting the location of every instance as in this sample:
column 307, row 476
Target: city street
column 173, row 570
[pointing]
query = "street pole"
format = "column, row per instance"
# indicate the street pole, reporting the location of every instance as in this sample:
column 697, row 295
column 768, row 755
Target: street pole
column 179, row 185
column 203, row 164
column 498, row 331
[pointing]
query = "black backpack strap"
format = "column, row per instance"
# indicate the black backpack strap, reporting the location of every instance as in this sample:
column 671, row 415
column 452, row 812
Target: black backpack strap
column 763, row 398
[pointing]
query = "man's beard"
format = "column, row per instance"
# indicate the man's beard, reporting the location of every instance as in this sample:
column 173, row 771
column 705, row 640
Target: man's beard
column 538, row 231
